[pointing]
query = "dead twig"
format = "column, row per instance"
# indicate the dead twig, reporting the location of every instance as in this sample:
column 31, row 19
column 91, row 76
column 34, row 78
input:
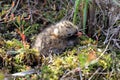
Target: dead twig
column 94, row 73
column 72, row 72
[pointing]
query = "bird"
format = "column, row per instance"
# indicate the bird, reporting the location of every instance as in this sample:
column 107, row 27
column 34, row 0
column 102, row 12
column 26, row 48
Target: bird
column 56, row 38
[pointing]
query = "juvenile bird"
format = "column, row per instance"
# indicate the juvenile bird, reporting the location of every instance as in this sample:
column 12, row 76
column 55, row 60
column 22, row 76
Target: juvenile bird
column 56, row 38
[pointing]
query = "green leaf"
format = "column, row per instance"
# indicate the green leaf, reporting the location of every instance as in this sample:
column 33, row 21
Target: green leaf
column 77, row 3
column 82, row 59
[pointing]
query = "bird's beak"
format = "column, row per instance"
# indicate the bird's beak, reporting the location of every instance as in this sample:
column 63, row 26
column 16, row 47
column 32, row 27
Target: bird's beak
column 79, row 34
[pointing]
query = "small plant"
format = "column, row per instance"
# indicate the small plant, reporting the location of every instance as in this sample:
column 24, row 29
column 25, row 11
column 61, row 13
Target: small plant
column 20, row 24
column 81, row 5
column 24, row 28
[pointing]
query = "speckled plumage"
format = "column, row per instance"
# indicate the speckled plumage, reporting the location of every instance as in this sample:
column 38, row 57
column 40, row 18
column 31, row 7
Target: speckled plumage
column 56, row 38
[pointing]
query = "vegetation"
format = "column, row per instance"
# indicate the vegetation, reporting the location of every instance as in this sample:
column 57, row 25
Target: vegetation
column 96, row 57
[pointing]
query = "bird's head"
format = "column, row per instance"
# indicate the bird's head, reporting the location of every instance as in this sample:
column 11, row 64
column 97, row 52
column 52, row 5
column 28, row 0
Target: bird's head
column 65, row 29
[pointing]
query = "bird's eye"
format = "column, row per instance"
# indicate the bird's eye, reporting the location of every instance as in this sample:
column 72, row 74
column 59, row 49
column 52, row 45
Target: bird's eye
column 76, row 32
column 69, row 34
